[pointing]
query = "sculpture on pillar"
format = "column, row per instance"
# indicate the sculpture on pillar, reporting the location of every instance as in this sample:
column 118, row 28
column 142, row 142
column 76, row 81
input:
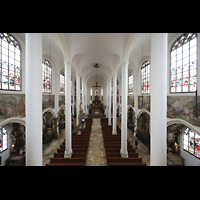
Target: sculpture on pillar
column 81, row 116
column 61, row 120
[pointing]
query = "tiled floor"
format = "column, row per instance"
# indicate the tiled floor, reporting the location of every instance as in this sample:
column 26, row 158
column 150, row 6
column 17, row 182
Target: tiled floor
column 96, row 151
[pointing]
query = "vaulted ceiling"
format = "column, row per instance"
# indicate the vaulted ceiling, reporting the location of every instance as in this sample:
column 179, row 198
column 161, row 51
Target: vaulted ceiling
column 109, row 50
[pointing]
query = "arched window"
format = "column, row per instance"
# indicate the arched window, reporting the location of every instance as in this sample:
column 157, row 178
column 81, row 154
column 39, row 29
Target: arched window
column 3, row 139
column 130, row 83
column 62, row 82
column 10, row 63
column 191, row 142
column 184, row 64
column 46, row 75
column 145, row 77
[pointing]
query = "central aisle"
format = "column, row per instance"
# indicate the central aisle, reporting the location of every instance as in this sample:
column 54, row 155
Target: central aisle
column 96, row 151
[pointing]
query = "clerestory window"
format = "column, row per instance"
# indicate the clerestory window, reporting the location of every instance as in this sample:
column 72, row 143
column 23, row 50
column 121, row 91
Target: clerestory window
column 10, row 63
column 184, row 64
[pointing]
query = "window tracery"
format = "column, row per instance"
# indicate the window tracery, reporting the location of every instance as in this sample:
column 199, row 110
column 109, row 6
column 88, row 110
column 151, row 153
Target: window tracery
column 184, row 64
column 10, row 63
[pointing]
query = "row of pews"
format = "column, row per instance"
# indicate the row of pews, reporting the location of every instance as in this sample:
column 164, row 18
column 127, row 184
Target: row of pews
column 112, row 145
column 80, row 145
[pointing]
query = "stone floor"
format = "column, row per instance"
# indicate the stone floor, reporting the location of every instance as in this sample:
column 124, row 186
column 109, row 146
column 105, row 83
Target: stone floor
column 142, row 151
column 96, row 152
column 52, row 148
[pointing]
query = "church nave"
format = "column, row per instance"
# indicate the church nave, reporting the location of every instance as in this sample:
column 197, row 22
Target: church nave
column 56, row 90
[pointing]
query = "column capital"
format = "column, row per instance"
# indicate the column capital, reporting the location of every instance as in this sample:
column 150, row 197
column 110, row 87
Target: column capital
column 114, row 75
column 124, row 64
column 67, row 63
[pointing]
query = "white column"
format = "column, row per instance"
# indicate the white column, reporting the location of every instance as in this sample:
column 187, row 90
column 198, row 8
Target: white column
column 135, row 92
column 34, row 99
column 83, row 95
column 109, row 109
column 99, row 89
column 93, row 93
column 114, row 128
column 124, row 152
column 77, row 97
column 107, row 100
column 57, row 92
column 120, row 93
column 73, row 80
column 158, row 120
column 198, row 64
column 68, row 140
column 86, row 99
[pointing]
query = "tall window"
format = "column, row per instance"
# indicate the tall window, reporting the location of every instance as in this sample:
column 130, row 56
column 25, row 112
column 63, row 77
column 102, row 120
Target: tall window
column 130, row 84
column 145, row 77
column 62, row 82
column 91, row 94
column 46, row 74
column 184, row 64
column 101, row 91
column 191, row 142
column 10, row 63
column 101, row 94
column 3, row 139
column 96, row 92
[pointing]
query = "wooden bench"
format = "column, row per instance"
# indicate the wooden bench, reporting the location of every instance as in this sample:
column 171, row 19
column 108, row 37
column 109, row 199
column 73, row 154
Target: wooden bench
column 127, row 164
column 118, row 155
column 124, row 160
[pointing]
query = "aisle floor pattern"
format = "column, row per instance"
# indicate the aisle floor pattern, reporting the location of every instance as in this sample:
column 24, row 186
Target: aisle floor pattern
column 96, row 151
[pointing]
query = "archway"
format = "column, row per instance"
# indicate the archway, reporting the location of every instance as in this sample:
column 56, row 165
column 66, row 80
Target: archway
column 131, row 118
column 49, row 128
column 14, row 142
column 143, row 130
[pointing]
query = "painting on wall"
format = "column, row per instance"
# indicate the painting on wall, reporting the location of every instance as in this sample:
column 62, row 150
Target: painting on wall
column 61, row 100
column 131, row 100
column 183, row 108
column 47, row 101
column 12, row 105
column 144, row 102
column 143, row 129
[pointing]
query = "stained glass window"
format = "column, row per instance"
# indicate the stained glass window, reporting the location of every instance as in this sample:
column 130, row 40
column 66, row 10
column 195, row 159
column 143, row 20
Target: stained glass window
column 10, row 63
column 191, row 142
column 184, row 64
column 46, row 74
column 130, row 84
column 62, row 82
column 3, row 139
column 96, row 92
column 145, row 77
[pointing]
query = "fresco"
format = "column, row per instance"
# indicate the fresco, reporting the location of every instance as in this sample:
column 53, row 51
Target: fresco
column 12, row 105
column 183, row 108
column 146, row 102
column 61, row 100
column 131, row 100
column 143, row 129
column 47, row 101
